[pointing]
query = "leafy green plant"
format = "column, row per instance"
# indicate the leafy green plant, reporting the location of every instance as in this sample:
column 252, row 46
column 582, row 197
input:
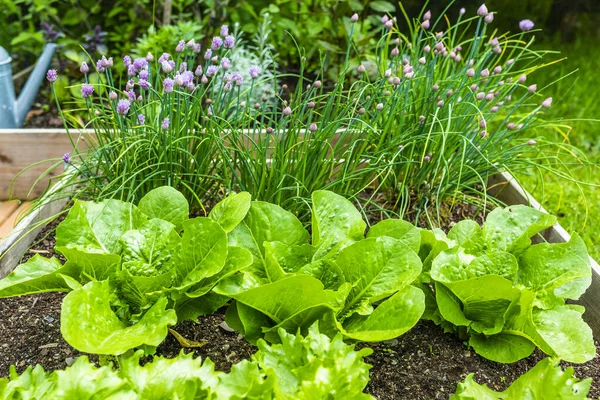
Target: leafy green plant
column 507, row 296
column 310, row 367
column 358, row 286
column 546, row 380
column 130, row 271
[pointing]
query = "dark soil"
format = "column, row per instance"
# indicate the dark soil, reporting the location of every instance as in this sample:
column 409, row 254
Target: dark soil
column 424, row 363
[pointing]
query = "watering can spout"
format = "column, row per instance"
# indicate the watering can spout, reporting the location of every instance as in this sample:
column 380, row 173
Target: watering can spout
column 32, row 85
column 13, row 112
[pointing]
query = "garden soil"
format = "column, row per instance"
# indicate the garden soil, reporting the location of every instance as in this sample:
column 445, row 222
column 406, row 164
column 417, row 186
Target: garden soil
column 424, row 363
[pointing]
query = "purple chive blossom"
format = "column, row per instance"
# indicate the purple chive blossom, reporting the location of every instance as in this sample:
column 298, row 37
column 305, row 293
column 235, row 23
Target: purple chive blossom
column 237, row 78
column 204, row 79
column 131, row 95
column 389, row 24
column 287, row 111
column 168, row 84
column 208, row 54
column 211, row 70
column 130, row 84
column 149, row 57
column 395, row 52
column 462, row 11
column 127, row 61
column 191, row 44
column 497, row 69
column 485, row 73
column 198, row 71
column 131, row 70
column 141, row 119
column 313, row 127
column 166, row 67
column 547, row 103
column 180, row 46
column 188, row 77
column 482, row 11
column 140, row 63
column 51, row 75
column 84, row 68
column 144, row 84
column 254, row 71
column 522, row 78
column 427, row 15
column 354, row 18
column 470, row 72
column 510, row 126
column 229, row 42
column 425, row 24
column 163, row 57
column 526, row 25
column 224, row 30
column 227, row 87
column 480, row 96
column 165, row 124
column 178, row 79
column 385, row 19
column 532, row 88
column 531, row 142
column 489, row 18
column 216, row 44
column 361, row 68
column 123, row 107
column 86, row 91
column 225, row 63
column 113, row 95
column 379, row 107
column 143, row 74
column 67, row 158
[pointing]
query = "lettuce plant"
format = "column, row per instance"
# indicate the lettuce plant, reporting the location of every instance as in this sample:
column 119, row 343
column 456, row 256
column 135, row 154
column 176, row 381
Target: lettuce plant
column 300, row 367
column 508, row 296
column 359, row 286
column 132, row 271
column 546, row 380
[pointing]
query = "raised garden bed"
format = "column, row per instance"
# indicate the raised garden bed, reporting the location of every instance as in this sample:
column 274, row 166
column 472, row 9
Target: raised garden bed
column 422, row 364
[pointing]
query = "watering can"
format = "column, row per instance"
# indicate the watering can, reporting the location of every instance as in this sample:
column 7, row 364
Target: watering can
column 13, row 110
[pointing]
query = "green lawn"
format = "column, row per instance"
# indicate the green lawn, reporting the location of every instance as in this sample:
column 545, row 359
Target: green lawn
column 574, row 99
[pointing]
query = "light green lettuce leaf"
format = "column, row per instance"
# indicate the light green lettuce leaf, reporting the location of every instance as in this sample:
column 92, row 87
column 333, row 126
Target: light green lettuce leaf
column 166, row 203
column 451, row 265
column 314, row 366
column 245, row 381
column 450, row 306
column 404, row 231
column 289, row 258
column 467, row 234
column 503, row 347
column 182, row 377
column 377, row 268
column 37, row 275
column 92, row 266
column 83, row 380
column 266, row 222
column 432, row 243
column 498, row 263
column 546, row 380
column 336, row 223
column 510, row 229
column 88, row 310
column 230, row 211
column 34, row 383
column 560, row 269
column 203, row 251
column 150, row 250
column 97, row 227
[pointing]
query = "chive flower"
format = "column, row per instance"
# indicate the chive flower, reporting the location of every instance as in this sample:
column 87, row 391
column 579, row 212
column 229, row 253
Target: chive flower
column 143, row 74
column 144, row 84
column 485, row 73
column 131, row 95
column 497, row 69
column 510, row 126
column 531, row 142
column 254, row 71
column 127, row 61
column 488, row 18
column 354, row 18
column 522, row 78
column 237, row 78
column 526, row 25
column 180, row 46
column 425, row 24
column 208, row 54
column 163, row 57
column 197, row 48
column 229, row 42
column 470, row 72
column 113, row 95
column 389, row 24
column 149, row 57
column 227, row 87
column 198, row 71
column 84, row 68
column 123, row 107
column 313, row 127
column 141, row 119
column 140, row 63
column 395, row 52
column 532, row 88
column 86, row 91
column 427, row 15
column 51, row 75
column 379, row 107
column 225, row 63
column 165, row 124
column 361, row 68
column 287, row 111
column 216, row 44
column 546, row 103
column 67, row 158
column 211, row 70
column 422, row 60
column 482, row 11
column 224, row 30
column 168, row 84
column 462, row 11
column 166, row 67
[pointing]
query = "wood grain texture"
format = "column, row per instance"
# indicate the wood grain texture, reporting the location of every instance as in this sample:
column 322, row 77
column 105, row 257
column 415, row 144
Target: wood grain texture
column 21, row 148
column 10, row 223
column 6, row 210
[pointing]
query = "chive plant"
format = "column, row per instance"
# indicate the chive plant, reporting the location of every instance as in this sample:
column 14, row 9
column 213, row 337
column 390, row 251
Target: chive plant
column 424, row 119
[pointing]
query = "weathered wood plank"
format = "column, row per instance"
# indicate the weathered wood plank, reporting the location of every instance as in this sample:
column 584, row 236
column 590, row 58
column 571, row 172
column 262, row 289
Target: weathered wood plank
column 9, row 224
column 21, row 148
column 6, row 210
